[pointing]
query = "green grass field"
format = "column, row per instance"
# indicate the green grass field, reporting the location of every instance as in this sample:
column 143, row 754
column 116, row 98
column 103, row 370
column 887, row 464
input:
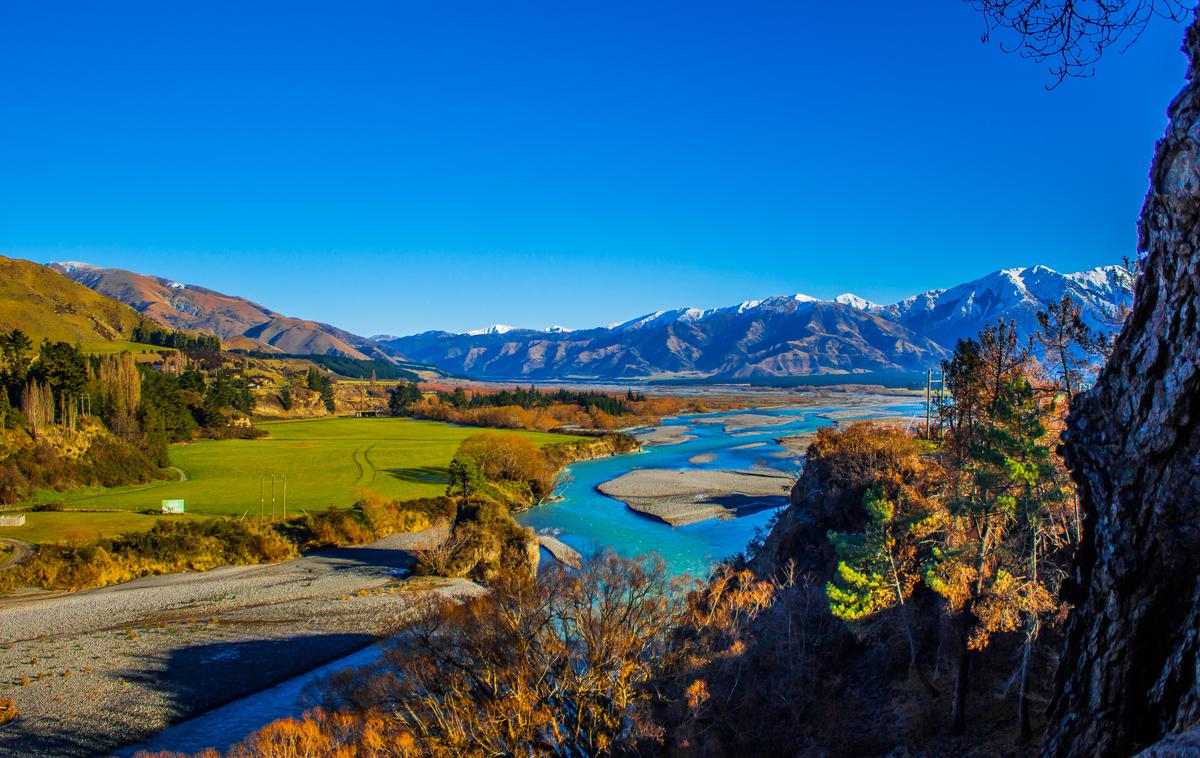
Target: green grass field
column 74, row 528
column 325, row 461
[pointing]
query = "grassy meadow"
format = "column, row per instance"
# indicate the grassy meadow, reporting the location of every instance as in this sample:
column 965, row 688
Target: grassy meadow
column 325, row 461
column 76, row 527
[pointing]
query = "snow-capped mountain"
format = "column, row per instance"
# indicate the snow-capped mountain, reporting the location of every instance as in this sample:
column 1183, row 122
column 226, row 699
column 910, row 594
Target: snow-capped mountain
column 854, row 301
column 1016, row 295
column 776, row 336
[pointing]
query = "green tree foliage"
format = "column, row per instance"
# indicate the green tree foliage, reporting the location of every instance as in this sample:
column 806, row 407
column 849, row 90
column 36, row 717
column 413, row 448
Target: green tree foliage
column 62, row 366
column 465, row 477
column 535, row 398
column 401, row 398
column 1069, row 343
column 203, row 348
column 15, row 347
column 192, row 380
column 163, row 401
column 228, row 392
column 320, row 383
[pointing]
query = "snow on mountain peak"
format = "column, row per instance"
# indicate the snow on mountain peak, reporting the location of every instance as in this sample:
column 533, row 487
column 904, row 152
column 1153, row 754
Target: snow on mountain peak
column 493, row 329
column 854, row 301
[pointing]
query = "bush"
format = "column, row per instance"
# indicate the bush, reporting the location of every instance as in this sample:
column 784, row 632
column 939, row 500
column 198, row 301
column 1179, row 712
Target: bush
column 168, row 547
column 8, row 710
column 373, row 517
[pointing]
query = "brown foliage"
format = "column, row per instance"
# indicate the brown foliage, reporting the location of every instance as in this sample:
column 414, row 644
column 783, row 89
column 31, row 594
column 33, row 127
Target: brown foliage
column 549, row 665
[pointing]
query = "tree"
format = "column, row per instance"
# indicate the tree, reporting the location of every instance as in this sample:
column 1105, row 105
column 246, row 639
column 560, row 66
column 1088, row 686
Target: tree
column 1072, row 35
column 879, row 566
column 1066, row 340
column 61, row 366
column 14, row 363
column 119, row 384
column 320, row 383
column 37, row 402
column 465, row 476
column 1127, row 676
column 998, row 472
column 509, row 458
column 401, row 398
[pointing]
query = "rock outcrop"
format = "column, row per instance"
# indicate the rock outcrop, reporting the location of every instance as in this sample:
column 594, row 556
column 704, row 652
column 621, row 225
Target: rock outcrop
column 1128, row 674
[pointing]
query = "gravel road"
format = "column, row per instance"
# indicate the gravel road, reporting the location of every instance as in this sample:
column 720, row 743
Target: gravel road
column 92, row 671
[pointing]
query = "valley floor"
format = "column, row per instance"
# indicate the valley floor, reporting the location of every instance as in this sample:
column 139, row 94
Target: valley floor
column 93, row 671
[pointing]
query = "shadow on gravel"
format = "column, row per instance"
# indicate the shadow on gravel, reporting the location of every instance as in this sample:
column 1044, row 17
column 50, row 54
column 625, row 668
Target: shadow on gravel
column 203, row 677
column 192, row 680
column 354, row 558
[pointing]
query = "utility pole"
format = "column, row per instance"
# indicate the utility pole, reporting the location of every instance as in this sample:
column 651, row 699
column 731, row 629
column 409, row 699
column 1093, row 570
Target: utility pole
column 928, row 387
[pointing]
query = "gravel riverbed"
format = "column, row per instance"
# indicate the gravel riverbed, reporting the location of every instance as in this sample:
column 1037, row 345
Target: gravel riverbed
column 95, row 670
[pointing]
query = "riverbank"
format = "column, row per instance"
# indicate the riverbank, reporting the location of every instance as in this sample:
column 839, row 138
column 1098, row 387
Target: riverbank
column 97, row 669
column 688, row 497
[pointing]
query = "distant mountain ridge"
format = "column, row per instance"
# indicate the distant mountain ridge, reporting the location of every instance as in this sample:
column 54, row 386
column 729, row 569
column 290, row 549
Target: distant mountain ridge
column 46, row 305
column 240, row 323
column 777, row 336
column 781, row 335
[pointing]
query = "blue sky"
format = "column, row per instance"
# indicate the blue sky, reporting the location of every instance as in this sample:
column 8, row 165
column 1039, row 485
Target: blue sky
column 395, row 167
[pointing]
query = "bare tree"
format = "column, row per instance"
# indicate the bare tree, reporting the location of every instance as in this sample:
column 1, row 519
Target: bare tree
column 1072, row 35
column 37, row 401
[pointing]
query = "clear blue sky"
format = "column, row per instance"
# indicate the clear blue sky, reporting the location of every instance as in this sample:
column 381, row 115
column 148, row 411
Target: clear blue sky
column 395, row 167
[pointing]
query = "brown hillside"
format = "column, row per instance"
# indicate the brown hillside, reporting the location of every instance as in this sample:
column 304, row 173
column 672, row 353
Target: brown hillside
column 237, row 321
column 47, row 305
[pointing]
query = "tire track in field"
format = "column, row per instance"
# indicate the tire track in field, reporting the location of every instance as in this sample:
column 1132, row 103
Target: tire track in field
column 366, row 470
column 370, row 464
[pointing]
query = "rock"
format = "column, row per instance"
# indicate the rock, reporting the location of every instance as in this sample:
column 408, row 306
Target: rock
column 1128, row 673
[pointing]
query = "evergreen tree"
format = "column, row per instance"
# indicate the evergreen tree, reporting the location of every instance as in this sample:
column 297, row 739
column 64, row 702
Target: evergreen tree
column 401, row 398
column 466, row 476
column 1067, row 341
column 879, row 566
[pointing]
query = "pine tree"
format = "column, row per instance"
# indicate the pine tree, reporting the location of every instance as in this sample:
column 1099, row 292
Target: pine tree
column 1067, row 341
column 879, row 566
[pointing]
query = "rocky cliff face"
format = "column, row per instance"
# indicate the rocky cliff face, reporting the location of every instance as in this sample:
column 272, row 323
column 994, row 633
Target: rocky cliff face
column 1129, row 670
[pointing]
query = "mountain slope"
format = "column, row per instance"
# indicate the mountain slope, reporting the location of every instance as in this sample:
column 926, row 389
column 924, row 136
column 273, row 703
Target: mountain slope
column 1017, row 294
column 240, row 323
column 778, row 336
column 47, row 305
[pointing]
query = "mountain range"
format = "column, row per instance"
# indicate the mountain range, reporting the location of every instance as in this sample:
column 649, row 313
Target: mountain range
column 240, row 323
column 777, row 336
column 781, row 335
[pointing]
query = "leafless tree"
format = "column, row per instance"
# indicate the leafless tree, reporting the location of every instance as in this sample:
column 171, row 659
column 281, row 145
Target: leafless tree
column 1071, row 35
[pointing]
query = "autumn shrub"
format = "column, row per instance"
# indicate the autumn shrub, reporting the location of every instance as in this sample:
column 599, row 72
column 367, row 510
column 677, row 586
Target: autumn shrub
column 552, row 665
column 373, row 517
column 8, row 710
column 168, row 547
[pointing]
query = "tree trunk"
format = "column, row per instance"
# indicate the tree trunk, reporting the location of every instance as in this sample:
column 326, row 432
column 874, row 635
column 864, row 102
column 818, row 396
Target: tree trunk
column 958, row 708
column 1128, row 674
column 1025, row 731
